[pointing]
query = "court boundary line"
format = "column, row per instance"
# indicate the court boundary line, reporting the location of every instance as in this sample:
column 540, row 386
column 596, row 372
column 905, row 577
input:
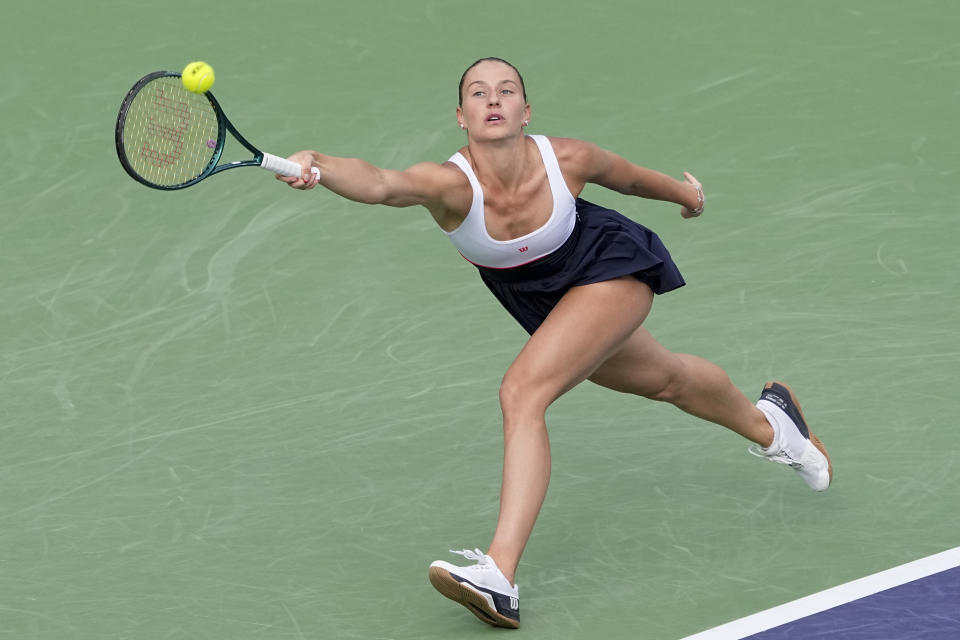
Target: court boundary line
column 832, row 597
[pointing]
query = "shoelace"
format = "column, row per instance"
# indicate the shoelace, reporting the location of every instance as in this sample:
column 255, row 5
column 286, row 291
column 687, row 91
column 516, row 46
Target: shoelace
column 781, row 457
column 476, row 554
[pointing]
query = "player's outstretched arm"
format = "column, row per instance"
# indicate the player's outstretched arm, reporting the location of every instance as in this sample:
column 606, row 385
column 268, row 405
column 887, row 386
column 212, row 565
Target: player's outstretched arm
column 358, row 180
column 607, row 169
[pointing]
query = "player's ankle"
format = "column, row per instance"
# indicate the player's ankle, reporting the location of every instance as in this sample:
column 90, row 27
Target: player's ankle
column 508, row 569
column 765, row 431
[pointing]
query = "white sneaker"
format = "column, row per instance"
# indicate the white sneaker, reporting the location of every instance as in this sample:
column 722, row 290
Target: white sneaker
column 482, row 588
column 803, row 452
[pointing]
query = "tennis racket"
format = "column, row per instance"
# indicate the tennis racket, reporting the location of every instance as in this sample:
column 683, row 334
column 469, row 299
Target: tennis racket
column 170, row 138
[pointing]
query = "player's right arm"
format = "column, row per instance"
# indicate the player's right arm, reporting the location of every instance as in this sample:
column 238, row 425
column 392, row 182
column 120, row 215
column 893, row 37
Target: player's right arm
column 442, row 189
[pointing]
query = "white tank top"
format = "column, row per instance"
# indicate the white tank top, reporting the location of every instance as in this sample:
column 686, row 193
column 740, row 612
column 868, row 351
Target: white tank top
column 476, row 245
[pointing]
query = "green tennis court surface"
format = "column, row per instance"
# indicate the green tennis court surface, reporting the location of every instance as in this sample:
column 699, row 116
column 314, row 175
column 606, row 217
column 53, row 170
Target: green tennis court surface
column 240, row 411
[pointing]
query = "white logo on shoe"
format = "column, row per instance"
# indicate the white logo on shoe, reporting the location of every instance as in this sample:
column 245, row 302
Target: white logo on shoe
column 514, row 603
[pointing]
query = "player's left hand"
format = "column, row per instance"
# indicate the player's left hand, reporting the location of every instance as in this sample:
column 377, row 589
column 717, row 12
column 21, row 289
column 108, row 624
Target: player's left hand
column 697, row 209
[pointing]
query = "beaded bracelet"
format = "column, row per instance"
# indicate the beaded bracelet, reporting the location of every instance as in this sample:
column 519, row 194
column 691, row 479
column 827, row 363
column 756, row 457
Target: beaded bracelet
column 700, row 201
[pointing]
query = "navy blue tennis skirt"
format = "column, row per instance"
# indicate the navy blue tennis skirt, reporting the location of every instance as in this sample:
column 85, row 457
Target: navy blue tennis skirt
column 604, row 245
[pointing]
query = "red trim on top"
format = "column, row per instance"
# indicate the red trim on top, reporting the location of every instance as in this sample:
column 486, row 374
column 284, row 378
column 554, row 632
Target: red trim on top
column 477, row 264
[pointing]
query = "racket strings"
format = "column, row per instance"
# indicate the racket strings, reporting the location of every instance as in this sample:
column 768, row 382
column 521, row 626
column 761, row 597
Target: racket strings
column 170, row 135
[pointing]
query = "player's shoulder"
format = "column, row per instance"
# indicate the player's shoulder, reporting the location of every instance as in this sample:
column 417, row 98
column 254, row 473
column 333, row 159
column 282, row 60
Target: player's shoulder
column 442, row 174
column 558, row 142
column 573, row 153
column 443, row 188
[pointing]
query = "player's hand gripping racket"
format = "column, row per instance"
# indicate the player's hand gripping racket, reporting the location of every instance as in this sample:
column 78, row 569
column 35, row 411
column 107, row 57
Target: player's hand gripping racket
column 170, row 138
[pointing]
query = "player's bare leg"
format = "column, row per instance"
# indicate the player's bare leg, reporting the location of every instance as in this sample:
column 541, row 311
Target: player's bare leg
column 776, row 423
column 588, row 325
column 644, row 367
column 583, row 330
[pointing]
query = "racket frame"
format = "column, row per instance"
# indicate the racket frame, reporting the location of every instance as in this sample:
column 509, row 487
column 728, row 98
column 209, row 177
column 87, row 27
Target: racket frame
column 223, row 125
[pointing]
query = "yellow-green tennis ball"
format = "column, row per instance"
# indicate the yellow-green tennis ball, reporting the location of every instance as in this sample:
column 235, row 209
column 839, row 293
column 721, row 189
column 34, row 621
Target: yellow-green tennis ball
column 197, row 77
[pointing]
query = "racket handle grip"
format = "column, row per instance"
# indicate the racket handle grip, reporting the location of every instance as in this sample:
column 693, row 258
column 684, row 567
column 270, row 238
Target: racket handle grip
column 283, row 166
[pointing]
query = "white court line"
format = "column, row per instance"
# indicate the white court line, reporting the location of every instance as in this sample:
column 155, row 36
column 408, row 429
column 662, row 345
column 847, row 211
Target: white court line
column 832, row 597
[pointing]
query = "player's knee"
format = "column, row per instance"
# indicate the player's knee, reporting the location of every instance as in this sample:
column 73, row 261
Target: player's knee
column 666, row 388
column 520, row 395
column 512, row 394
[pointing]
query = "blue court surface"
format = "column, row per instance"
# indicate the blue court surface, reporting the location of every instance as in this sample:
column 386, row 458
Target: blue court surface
column 917, row 600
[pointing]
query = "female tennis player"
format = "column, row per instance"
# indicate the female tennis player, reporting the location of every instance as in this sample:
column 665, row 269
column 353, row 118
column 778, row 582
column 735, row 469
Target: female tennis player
column 580, row 279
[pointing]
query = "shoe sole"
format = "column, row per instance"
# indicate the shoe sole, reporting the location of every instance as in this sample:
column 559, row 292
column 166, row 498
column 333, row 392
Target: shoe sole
column 814, row 439
column 459, row 592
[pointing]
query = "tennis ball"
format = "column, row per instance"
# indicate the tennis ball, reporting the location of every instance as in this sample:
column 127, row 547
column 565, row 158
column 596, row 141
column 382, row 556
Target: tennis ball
column 197, row 77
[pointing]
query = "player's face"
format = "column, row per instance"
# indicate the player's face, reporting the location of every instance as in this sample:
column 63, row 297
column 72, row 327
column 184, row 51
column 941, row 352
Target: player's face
column 493, row 104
